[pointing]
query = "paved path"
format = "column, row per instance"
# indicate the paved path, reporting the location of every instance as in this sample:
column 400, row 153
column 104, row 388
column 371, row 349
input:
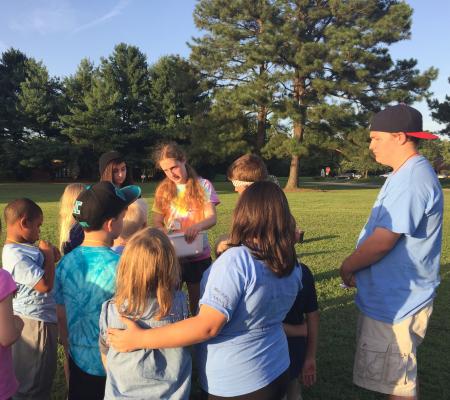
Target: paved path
column 340, row 183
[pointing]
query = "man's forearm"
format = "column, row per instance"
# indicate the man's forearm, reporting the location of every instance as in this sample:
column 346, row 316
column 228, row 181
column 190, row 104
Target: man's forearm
column 373, row 249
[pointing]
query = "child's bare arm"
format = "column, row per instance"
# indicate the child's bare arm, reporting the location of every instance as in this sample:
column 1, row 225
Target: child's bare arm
column 295, row 330
column 158, row 221
column 103, row 360
column 210, row 220
column 309, row 370
column 62, row 327
column 10, row 325
column 45, row 284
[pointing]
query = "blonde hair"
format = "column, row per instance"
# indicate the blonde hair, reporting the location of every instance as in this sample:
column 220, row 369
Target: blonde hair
column 66, row 220
column 148, row 268
column 167, row 190
column 135, row 218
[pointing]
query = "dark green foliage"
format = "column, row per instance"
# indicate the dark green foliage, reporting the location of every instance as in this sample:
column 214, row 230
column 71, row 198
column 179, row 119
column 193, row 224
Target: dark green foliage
column 236, row 55
column 441, row 112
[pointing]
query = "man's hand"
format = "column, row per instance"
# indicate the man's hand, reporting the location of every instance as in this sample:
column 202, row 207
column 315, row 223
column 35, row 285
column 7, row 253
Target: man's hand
column 347, row 277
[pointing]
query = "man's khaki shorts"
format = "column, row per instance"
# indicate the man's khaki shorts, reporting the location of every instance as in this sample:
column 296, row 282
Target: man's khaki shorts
column 385, row 359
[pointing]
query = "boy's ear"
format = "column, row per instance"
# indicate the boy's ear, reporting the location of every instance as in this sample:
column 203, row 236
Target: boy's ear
column 107, row 225
column 23, row 222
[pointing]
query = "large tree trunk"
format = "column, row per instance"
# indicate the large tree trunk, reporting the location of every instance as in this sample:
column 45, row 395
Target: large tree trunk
column 262, row 112
column 299, row 123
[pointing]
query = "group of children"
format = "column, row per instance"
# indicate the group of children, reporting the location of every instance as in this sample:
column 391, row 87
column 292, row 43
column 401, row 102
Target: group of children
column 114, row 266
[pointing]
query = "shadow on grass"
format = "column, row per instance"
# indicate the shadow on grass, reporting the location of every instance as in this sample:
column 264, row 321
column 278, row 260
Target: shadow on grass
column 319, row 238
column 337, row 347
column 312, row 253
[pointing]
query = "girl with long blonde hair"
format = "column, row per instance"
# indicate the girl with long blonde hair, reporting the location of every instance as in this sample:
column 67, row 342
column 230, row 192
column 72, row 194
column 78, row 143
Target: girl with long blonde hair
column 185, row 202
column 148, row 278
column 70, row 232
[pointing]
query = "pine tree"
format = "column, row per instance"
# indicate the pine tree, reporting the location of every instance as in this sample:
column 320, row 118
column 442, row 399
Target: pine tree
column 441, row 112
column 236, row 55
column 336, row 52
column 109, row 106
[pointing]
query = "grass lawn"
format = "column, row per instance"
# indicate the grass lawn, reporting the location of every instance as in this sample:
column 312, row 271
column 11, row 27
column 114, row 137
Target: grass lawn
column 332, row 217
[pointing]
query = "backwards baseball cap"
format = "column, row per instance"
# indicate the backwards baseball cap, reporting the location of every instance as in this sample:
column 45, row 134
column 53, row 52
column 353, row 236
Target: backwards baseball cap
column 400, row 118
column 106, row 158
column 101, row 202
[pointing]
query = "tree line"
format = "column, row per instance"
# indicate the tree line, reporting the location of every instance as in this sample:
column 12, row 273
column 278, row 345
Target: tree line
column 295, row 81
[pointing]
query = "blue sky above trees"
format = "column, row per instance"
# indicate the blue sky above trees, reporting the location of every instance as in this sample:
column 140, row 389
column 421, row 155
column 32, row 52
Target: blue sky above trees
column 62, row 32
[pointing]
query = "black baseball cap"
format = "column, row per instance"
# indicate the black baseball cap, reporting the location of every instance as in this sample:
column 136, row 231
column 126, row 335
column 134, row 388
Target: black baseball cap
column 106, row 158
column 101, row 202
column 400, row 118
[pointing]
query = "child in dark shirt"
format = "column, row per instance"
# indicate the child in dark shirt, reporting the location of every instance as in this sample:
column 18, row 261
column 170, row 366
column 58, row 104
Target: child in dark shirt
column 302, row 336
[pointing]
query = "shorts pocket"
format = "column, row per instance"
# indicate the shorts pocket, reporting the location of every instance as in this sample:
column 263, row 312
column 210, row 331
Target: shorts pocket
column 401, row 368
column 396, row 366
column 370, row 359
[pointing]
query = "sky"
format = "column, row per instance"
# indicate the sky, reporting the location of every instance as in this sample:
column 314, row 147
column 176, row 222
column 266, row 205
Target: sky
column 62, row 32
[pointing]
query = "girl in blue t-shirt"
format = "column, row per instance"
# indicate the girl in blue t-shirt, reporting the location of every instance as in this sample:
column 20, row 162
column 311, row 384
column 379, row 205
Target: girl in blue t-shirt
column 148, row 278
column 242, row 348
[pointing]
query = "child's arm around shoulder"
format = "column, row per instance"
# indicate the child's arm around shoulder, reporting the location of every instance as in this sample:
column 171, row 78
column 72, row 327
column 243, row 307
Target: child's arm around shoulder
column 45, row 284
column 205, row 325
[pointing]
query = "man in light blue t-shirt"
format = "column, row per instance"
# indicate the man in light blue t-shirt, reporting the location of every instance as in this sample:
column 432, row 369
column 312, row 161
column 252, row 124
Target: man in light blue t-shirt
column 395, row 266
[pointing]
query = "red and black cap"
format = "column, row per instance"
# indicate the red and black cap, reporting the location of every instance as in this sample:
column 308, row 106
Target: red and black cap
column 102, row 201
column 400, row 118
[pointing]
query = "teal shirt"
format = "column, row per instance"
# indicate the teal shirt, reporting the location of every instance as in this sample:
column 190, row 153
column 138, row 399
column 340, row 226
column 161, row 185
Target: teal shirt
column 85, row 279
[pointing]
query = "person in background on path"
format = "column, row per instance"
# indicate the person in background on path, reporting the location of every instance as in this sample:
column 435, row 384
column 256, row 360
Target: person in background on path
column 327, row 171
column 147, row 291
column 185, row 202
column 395, row 266
column 135, row 219
column 112, row 168
column 33, row 270
column 85, row 278
column 71, row 233
column 10, row 329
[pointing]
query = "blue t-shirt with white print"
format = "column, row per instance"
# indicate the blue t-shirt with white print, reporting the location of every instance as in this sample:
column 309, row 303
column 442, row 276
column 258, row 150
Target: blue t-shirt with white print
column 85, row 279
column 404, row 280
column 25, row 263
column 251, row 349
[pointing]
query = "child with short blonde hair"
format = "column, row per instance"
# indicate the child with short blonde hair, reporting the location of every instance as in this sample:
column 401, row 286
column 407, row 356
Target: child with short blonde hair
column 70, row 232
column 135, row 219
column 148, row 278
